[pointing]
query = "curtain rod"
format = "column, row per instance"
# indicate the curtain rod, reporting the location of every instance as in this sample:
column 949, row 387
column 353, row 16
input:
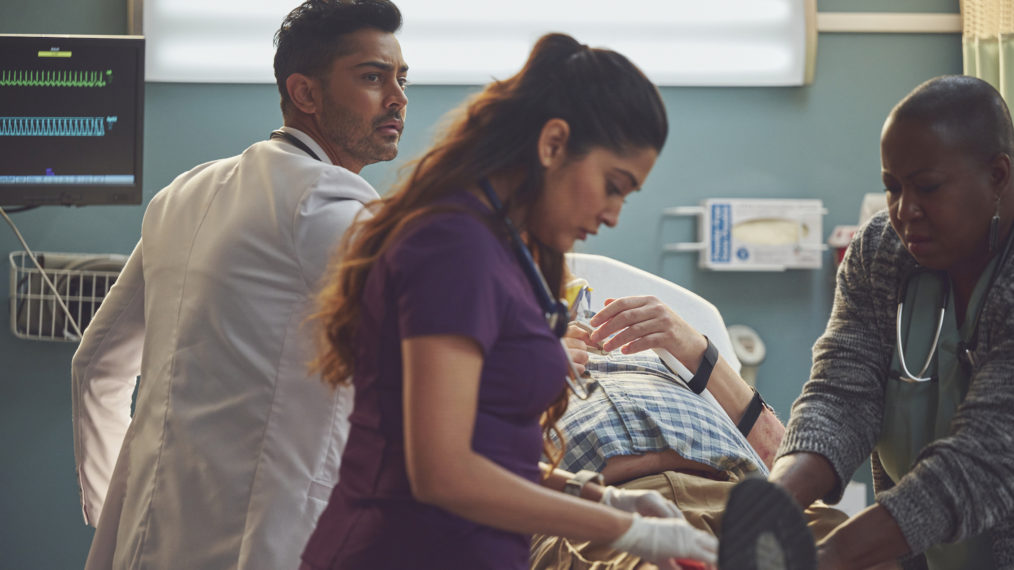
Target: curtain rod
column 889, row 22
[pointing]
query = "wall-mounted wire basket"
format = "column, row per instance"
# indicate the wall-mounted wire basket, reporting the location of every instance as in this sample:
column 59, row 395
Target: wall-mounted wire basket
column 82, row 281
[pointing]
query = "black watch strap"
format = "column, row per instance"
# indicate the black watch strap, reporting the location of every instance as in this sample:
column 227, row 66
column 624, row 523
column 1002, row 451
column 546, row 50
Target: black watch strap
column 700, row 380
column 753, row 411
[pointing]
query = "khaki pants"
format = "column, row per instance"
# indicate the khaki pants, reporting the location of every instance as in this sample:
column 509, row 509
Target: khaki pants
column 702, row 501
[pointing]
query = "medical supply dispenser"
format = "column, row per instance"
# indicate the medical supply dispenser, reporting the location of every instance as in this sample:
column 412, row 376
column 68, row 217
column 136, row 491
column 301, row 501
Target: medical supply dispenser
column 81, row 280
column 841, row 236
column 751, row 234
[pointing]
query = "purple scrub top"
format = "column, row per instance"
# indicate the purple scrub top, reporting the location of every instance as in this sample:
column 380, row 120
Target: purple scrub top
column 448, row 274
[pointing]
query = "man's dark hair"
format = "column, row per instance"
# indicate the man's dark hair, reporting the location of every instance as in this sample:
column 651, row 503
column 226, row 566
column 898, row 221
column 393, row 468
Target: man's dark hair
column 313, row 35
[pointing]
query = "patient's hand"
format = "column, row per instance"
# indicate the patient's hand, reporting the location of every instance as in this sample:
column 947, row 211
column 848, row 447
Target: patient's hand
column 642, row 323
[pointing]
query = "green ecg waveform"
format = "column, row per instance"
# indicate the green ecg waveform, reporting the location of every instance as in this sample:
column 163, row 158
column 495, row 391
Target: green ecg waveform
column 54, row 78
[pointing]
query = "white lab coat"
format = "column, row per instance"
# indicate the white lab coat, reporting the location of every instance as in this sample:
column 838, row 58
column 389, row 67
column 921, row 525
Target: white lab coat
column 233, row 448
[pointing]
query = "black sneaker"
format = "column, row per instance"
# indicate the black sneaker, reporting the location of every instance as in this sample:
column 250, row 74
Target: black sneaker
column 764, row 529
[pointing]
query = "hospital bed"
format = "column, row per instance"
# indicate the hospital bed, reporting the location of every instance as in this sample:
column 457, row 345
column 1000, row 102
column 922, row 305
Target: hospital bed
column 610, row 278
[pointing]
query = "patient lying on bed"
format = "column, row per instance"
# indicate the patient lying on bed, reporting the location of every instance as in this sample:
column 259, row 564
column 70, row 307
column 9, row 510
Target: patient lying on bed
column 643, row 428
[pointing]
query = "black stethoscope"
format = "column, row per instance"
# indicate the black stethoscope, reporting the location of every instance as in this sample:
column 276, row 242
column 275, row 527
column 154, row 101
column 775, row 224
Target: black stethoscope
column 294, row 141
column 555, row 310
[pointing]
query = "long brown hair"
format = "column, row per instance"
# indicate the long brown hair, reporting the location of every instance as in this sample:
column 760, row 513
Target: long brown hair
column 606, row 101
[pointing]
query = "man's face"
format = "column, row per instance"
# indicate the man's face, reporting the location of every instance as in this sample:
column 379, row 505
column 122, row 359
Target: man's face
column 364, row 100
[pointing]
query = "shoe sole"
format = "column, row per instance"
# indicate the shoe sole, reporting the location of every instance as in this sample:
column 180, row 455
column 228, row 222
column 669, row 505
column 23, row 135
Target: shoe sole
column 764, row 529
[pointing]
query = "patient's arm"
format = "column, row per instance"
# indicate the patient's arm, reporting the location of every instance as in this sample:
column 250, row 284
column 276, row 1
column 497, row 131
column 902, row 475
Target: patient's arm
column 766, row 436
column 734, row 395
column 643, row 323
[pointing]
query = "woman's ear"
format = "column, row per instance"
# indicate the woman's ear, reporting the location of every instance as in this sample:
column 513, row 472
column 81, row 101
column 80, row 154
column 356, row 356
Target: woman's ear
column 1000, row 175
column 553, row 142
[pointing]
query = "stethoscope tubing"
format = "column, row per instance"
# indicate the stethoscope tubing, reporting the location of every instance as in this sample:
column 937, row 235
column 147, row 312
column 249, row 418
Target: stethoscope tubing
column 556, row 313
column 912, row 378
column 908, row 376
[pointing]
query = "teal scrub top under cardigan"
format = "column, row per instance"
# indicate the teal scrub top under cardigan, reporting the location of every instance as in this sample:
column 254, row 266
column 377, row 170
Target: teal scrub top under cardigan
column 917, row 413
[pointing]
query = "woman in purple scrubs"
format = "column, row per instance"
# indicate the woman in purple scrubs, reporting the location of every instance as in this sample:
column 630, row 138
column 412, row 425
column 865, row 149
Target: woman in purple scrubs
column 432, row 315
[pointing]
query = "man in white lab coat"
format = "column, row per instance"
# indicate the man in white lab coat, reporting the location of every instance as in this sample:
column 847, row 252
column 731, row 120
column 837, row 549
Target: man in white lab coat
column 234, row 447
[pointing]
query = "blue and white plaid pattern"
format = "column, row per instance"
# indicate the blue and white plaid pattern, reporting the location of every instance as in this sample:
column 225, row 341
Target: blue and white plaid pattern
column 641, row 407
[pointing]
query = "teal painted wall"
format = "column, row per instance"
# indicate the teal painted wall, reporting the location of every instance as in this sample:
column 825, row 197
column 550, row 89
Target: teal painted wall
column 818, row 141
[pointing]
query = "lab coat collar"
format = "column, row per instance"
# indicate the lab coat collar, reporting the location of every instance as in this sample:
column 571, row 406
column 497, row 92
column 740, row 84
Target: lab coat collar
column 308, row 141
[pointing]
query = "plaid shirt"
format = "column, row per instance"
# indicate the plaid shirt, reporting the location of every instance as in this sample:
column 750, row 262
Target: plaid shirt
column 641, row 407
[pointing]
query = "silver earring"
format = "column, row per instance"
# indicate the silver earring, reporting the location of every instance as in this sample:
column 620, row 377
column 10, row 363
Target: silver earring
column 994, row 229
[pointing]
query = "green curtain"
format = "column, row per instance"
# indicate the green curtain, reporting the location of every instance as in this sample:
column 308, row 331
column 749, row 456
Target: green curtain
column 988, row 43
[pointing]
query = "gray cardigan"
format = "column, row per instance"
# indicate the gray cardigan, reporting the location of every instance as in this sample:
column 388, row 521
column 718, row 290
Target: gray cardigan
column 962, row 484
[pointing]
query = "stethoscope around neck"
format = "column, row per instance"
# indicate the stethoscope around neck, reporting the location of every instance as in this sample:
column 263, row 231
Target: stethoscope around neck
column 907, row 375
column 965, row 350
column 291, row 139
column 555, row 310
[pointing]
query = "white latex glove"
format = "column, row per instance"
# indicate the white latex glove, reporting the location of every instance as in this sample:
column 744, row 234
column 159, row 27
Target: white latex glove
column 649, row 503
column 660, row 540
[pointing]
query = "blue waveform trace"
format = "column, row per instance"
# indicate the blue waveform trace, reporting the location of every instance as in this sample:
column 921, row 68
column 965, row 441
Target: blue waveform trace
column 55, row 126
column 51, row 179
